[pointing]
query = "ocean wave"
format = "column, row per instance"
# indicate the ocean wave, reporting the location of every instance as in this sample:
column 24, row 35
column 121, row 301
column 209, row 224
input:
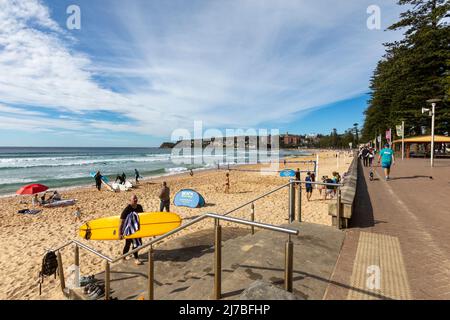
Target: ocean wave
column 36, row 163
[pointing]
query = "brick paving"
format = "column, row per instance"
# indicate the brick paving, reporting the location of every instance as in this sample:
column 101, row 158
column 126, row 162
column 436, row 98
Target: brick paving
column 413, row 208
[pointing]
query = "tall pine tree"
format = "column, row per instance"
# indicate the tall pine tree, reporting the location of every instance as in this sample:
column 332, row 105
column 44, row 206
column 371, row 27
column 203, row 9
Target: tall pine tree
column 412, row 71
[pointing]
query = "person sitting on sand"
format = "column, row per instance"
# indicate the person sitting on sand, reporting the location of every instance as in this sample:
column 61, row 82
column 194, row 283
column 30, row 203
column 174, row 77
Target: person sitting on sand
column 191, row 173
column 322, row 187
column 35, row 200
column 330, row 190
column 54, row 197
column 133, row 207
column 164, row 197
column 43, row 201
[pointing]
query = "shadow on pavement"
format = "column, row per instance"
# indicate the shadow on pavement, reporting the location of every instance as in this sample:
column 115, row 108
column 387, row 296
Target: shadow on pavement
column 362, row 216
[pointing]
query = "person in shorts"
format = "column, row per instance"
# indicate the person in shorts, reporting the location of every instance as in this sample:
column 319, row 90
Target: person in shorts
column 386, row 157
column 308, row 186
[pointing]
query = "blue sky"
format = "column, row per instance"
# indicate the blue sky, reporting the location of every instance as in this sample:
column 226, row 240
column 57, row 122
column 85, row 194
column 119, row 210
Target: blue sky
column 138, row 70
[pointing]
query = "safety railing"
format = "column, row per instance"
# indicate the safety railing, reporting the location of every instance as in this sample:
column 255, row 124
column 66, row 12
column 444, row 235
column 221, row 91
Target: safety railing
column 217, row 254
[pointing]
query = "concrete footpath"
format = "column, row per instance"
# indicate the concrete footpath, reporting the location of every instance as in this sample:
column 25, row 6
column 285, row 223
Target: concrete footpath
column 398, row 244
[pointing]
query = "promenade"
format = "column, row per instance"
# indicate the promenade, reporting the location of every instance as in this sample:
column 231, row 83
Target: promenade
column 398, row 244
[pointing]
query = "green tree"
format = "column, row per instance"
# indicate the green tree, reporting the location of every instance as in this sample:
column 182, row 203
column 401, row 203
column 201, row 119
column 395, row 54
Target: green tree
column 412, row 71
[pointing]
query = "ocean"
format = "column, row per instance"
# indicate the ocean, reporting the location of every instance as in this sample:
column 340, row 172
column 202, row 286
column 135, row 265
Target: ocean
column 69, row 167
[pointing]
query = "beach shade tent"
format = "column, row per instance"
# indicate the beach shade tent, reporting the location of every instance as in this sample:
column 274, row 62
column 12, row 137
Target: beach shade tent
column 189, row 198
column 287, row 173
column 32, row 189
column 421, row 140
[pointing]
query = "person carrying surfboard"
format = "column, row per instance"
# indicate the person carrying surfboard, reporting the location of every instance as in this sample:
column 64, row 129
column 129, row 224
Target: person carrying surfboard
column 98, row 180
column 132, row 208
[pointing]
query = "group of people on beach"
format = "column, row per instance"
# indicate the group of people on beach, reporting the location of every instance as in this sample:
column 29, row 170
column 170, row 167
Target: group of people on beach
column 122, row 178
column 39, row 201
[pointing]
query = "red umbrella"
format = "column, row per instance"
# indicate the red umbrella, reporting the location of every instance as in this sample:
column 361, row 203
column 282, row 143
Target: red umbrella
column 32, row 189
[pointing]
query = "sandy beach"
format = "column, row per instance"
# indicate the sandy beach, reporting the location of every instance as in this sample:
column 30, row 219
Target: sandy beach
column 25, row 237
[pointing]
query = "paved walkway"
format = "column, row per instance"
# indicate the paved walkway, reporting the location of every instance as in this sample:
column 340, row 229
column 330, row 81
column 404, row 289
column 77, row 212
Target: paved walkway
column 398, row 246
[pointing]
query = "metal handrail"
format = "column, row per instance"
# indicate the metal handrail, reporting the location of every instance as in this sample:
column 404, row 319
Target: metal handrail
column 255, row 224
column 318, row 183
column 256, row 199
column 217, row 218
column 185, row 225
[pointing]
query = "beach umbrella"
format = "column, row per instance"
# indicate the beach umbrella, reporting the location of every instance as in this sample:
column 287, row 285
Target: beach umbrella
column 32, row 189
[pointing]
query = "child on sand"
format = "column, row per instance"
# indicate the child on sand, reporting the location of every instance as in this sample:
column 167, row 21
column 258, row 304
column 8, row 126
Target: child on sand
column 77, row 214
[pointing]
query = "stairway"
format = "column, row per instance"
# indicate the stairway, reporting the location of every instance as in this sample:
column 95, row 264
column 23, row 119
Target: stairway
column 184, row 267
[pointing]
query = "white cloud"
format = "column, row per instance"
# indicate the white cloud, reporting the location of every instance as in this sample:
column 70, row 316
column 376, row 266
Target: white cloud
column 228, row 63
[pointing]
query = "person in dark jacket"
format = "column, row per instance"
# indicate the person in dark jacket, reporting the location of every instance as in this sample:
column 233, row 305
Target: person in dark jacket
column 132, row 207
column 98, row 180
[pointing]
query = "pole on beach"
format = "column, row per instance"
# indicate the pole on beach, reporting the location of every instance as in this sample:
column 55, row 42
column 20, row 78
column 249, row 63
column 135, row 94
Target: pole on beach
column 288, row 264
column 317, row 166
column 218, row 261
column 432, row 134
column 253, row 217
column 291, row 201
column 338, row 207
column 299, row 202
column 151, row 274
column 77, row 266
column 107, row 280
column 403, row 140
column 61, row 273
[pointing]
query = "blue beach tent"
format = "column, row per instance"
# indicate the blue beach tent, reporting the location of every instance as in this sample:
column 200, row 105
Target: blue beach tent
column 287, row 173
column 189, row 198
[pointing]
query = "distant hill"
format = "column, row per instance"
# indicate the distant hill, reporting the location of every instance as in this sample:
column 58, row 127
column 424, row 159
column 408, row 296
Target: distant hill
column 167, row 145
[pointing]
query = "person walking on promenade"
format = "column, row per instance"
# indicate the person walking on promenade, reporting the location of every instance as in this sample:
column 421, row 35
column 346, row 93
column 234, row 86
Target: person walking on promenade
column 98, row 180
column 371, row 156
column 365, row 156
column 386, row 157
column 164, row 197
column 128, row 220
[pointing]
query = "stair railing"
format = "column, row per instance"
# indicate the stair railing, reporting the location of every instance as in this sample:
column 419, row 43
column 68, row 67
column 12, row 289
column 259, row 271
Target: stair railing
column 218, row 240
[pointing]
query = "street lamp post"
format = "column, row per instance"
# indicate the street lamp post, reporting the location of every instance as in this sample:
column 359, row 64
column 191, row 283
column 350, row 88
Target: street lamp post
column 433, row 103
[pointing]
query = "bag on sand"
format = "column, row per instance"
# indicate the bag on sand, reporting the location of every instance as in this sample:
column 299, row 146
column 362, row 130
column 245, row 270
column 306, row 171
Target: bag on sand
column 49, row 267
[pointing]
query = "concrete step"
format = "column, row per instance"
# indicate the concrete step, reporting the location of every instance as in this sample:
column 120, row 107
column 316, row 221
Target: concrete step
column 184, row 267
column 316, row 250
column 178, row 263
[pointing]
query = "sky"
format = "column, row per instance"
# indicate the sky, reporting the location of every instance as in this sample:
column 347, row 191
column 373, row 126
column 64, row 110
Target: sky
column 136, row 71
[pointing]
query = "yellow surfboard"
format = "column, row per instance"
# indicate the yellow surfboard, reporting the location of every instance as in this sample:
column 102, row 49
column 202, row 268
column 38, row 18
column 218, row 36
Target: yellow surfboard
column 151, row 224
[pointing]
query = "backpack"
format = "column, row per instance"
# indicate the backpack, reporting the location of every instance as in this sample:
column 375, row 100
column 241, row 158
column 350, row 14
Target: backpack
column 49, row 267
